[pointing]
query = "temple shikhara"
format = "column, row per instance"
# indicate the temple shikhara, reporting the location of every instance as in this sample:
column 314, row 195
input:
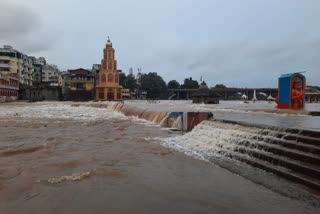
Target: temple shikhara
column 108, row 87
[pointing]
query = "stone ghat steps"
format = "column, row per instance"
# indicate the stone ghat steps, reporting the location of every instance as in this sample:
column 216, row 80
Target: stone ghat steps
column 290, row 153
column 313, row 135
column 307, row 169
column 282, row 151
column 293, row 137
column 311, row 183
column 303, row 139
column 294, row 165
column 290, row 144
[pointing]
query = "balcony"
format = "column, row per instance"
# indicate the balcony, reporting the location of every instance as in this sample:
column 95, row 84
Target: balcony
column 4, row 65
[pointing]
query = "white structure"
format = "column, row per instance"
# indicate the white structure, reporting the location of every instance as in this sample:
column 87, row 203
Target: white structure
column 50, row 73
column 9, row 60
column 254, row 96
column 130, row 71
column 27, row 70
column 244, row 97
column 41, row 61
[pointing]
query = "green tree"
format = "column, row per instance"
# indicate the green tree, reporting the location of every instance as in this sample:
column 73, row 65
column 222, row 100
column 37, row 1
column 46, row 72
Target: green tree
column 131, row 82
column 220, row 86
column 122, row 79
column 173, row 84
column 189, row 83
column 154, row 85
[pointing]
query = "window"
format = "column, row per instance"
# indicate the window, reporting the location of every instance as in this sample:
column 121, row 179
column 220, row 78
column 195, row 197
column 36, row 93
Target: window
column 110, row 78
column 116, row 78
column 4, row 69
column 103, row 78
column 110, row 94
column 110, row 65
column 101, row 93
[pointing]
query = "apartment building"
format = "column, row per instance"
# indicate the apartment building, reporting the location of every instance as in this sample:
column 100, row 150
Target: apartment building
column 50, row 74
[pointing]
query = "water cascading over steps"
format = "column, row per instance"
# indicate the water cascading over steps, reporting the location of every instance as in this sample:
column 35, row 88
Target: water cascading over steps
column 130, row 111
column 290, row 153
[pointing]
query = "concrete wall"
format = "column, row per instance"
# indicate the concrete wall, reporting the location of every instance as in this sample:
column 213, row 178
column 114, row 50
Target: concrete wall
column 80, row 95
column 7, row 99
column 43, row 93
column 194, row 118
column 188, row 120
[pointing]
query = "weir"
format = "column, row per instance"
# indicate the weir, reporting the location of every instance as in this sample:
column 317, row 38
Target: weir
column 289, row 153
column 183, row 121
column 293, row 154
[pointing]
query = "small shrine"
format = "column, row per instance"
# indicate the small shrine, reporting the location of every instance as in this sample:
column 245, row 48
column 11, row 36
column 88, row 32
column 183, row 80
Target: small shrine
column 205, row 95
column 108, row 87
column 291, row 91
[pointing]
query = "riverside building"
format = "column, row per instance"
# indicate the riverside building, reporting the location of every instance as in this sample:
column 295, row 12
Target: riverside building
column 80, row 83
column 28, row 68
column 9, row 87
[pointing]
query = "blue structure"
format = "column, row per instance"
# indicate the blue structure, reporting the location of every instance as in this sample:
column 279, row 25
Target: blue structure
column 291, row 90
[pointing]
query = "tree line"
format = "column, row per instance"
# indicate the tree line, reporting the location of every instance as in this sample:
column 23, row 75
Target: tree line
column 155, row 86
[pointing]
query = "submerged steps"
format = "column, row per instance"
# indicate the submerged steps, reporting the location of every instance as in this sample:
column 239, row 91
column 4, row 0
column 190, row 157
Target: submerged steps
column 282, row 151
column 290, row 153
column 293, row 154
column 303, row 179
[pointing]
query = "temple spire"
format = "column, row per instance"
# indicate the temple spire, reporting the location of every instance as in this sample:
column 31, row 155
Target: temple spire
column 109, row 42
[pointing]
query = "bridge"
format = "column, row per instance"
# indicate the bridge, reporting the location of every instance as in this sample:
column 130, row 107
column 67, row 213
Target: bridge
column 225, row 93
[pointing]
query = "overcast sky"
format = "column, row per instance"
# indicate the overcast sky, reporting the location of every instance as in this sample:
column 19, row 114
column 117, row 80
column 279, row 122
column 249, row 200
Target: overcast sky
column 246, row 43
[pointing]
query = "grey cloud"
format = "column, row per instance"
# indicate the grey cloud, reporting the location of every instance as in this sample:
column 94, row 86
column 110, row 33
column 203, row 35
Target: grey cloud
column 249, row 61
column 16, row 20
column 23, row 29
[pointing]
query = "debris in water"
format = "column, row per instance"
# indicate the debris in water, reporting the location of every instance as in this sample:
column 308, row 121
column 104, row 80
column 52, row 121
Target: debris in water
column 21, row 150
column 72, row 177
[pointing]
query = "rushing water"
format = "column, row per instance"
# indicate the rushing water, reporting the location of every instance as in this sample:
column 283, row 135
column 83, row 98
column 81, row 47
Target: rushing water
column 64, row 157
column 259, row 112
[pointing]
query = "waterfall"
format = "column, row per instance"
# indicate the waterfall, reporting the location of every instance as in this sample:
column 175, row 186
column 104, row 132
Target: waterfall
column 130, row 111
column 289, row 153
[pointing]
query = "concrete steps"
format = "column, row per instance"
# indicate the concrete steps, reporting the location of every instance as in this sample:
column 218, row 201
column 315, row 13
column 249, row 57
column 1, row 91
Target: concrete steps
column 305, row 180
column 290, row 153
column 283, row 151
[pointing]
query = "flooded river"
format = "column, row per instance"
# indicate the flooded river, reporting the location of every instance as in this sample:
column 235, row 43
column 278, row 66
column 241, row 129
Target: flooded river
column 62, row 157
column 260, row 112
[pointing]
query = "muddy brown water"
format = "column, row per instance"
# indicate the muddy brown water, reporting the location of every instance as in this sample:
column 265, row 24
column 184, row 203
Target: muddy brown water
column 62, row 164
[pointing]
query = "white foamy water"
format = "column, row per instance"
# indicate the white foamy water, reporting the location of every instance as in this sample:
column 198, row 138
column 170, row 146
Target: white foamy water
column 214, row 139
column 72, row 177
column 232, row 106
column 260, row 112
column 59, row 110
